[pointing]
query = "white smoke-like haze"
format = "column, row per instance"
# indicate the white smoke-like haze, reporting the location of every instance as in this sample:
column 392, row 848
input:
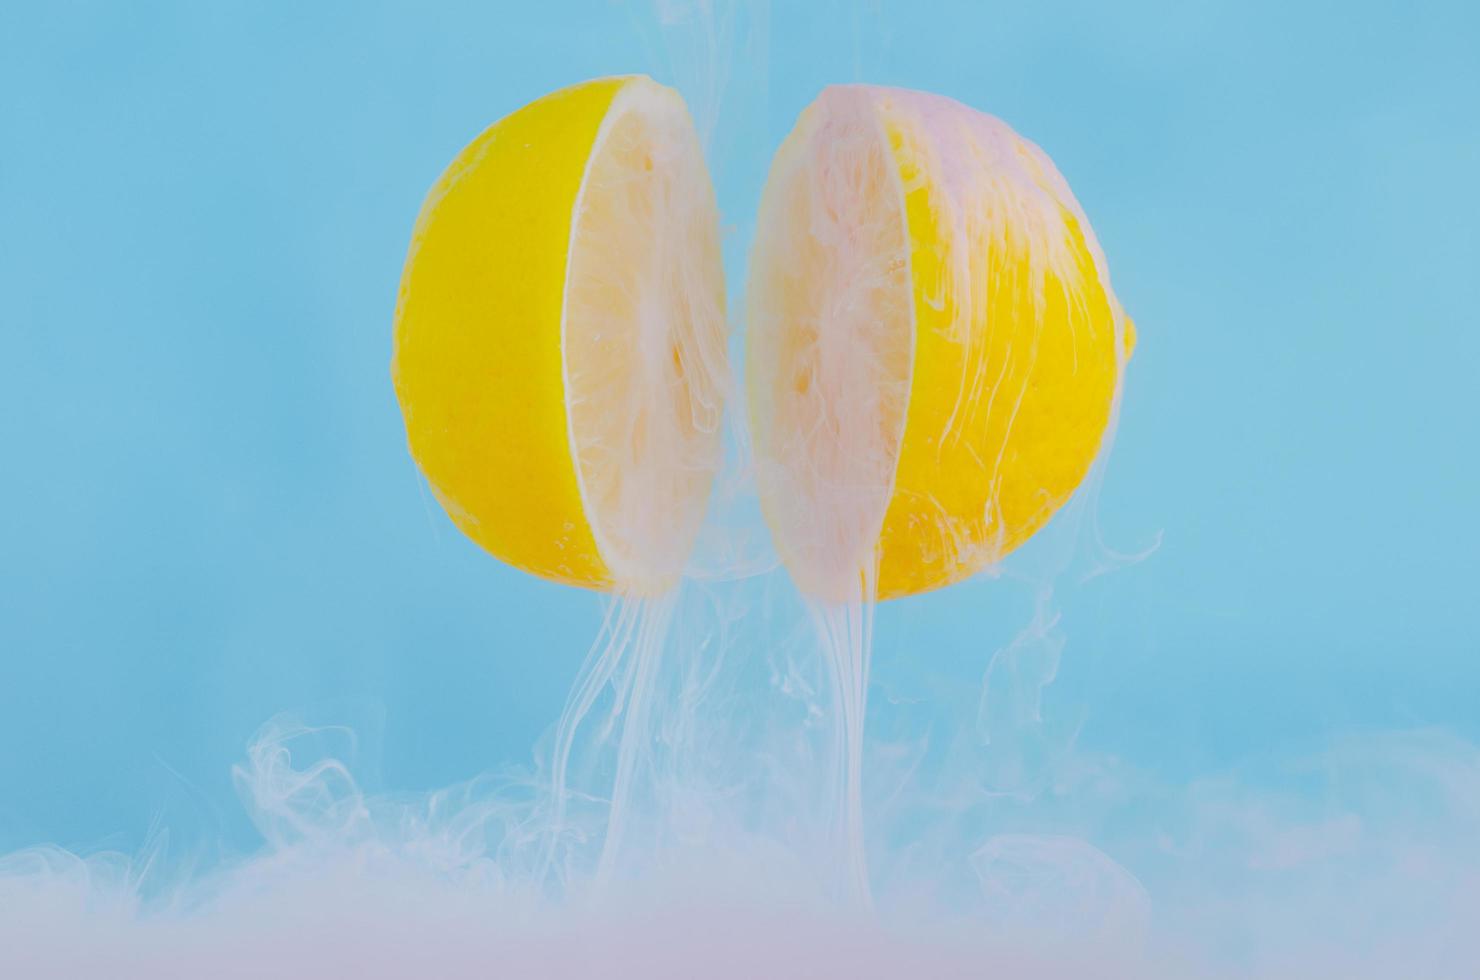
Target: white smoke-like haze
column 994, row 846
column 1379, row 875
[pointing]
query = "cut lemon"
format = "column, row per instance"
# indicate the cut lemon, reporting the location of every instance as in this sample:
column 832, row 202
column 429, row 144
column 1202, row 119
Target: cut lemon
column 934, row 352
column 560, row 337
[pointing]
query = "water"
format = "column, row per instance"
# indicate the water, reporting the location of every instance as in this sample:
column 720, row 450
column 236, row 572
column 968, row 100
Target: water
column 1251, row 751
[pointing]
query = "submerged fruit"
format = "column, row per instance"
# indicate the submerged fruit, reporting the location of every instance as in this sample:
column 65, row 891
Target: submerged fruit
column 934, row 352
column 560, row 337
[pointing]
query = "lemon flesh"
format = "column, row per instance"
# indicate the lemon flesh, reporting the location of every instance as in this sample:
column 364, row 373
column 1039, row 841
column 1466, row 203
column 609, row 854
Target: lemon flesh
column 559, row 338
column 934, row 351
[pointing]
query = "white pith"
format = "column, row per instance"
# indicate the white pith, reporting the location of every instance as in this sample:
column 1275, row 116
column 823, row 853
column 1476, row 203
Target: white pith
column 834, row 198
column 643, row 472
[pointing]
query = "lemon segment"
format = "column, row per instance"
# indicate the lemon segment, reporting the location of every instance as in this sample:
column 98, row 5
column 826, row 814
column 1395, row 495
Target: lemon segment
column 970, row 358
column 516, row 378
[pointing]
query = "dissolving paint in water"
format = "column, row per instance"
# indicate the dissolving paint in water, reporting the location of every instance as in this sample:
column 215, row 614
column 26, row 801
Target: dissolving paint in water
column 934, row 354
column 933, row 362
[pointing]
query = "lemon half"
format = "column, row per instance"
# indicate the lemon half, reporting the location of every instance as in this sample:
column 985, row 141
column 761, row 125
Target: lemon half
column 933, row 347
column 560, row 337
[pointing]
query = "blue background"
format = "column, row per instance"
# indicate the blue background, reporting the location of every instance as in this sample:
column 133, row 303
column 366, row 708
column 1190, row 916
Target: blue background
column 207, row 513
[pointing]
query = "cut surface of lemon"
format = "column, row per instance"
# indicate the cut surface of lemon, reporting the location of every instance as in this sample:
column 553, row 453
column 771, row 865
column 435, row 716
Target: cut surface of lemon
column 934, row 353
column 560, row 337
